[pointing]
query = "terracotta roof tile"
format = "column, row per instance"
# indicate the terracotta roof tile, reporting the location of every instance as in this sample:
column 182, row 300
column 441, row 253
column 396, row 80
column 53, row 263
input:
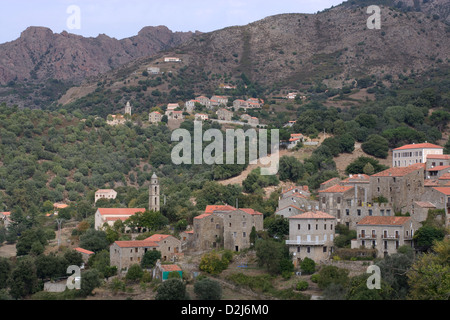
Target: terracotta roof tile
column 425, row 204
column 419, row 146
column 84, row 251
column 337, row 189
column 313, row 215
column 439, row 156
column 204, row 215
column 136, row 244
column 157, row 237
column 170, row 267
column 439, row 168
column 444, row 190
column 399, row 171
column 384, row 220
column 212, row 208
column 251, row 211
column 120, row 211
column 445, row 176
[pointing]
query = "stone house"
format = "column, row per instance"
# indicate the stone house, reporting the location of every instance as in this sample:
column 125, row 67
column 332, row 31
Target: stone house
column 85, row 254
column 174, row 115
column 239, row 103
column 225, row 226
column 190, row 105
column 105, row 194
column 401, row 186
column 123, row 254
column 110, row 215
column 219, row 100
column 201, row 117
column 224, row 114
column 155, row 117
column 311, row 234
column 204, row 101
column 386, row 234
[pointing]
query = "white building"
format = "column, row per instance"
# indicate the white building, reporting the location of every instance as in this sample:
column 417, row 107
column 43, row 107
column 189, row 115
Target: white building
column 105, row 194
column 172, row 59
column 414, row 153
column 111, row 215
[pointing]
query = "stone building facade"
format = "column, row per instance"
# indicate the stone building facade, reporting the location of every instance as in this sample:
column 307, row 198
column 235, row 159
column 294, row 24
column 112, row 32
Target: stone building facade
column 386, row 234
column 311, row 234
column 225, row 226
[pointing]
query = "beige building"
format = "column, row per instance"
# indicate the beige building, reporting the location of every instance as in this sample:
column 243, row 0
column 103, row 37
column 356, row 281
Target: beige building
column 155, row 117
column 201, row 117
column 225, row 226
column 105, row 194
column 224, row 114
column 414, row 153
column 111, row 215
column 386, row 234
column 204, row 101
column 311, row 234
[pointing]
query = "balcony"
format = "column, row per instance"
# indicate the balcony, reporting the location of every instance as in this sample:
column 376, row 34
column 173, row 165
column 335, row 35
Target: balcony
column 305, row 243
column 367, row 236
column 390, row 237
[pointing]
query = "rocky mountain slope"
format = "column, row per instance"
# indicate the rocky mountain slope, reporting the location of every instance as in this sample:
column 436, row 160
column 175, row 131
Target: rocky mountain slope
column 39, row 54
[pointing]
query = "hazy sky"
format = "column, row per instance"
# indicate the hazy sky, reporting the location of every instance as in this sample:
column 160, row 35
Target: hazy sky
column 124, row 18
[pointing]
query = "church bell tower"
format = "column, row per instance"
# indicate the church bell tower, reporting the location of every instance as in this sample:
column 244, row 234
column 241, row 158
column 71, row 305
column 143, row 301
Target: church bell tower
column 154, row 194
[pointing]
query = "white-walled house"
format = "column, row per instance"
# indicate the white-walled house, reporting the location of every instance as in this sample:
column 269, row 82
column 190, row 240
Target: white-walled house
column 414, row 153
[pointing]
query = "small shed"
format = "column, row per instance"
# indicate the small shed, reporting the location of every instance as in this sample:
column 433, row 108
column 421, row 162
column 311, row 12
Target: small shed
column 162, row 271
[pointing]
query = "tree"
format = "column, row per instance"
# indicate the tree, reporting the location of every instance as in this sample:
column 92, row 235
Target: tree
column 134, row 273
column 277, row 226
column 94, row 240
column 5, row 269
column 101, row 262
column 358, row 290
column 290, row 168
column 368, row 169
column 23, row 280
column 357, row 166
column 271, row 254
column 172, row 289
column 208, row 289
column 149, row 259
column 308, row 266
column 212, row 263
column 332, row 275
column 90, row 280
column 428, row 277
column 426, row 235
column 33, row 237
column 376, row 146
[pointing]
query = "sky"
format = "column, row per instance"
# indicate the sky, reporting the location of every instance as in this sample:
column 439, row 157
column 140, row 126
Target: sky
column 124, row 18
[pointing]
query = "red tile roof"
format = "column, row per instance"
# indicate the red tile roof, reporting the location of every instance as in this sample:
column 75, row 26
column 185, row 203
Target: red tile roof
column 157, row 237
column 337, row 189
column 445, row 176
column 120, row 211
column 204, row 215
column 399, row 171
column 212, row 208
column 444, row 190
column 425, row 204
column 439, row 168
column 136, row 244
column 439, row 156
column 420, row 146
column 313, row 215
column 357, row 178
column 385, row 220
column 251, row 211
column 170, row 267
column 84, row 251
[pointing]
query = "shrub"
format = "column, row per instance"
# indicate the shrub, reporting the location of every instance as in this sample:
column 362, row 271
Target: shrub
column 302, row 285
column 208, row 289
column 308, row 266
column 315, row 278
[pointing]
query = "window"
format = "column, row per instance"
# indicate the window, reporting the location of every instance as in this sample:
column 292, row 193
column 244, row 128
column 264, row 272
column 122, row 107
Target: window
column 136, row 250
column 324, row 226
column 317, row 227
column 359, row 212
column 298, row 226
column 324, row 249
column 308, row 249
column 298, row 249
column 244, row 234
column 347, row 212
column 370, row 212
column 338, row 200
column 309, row 227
